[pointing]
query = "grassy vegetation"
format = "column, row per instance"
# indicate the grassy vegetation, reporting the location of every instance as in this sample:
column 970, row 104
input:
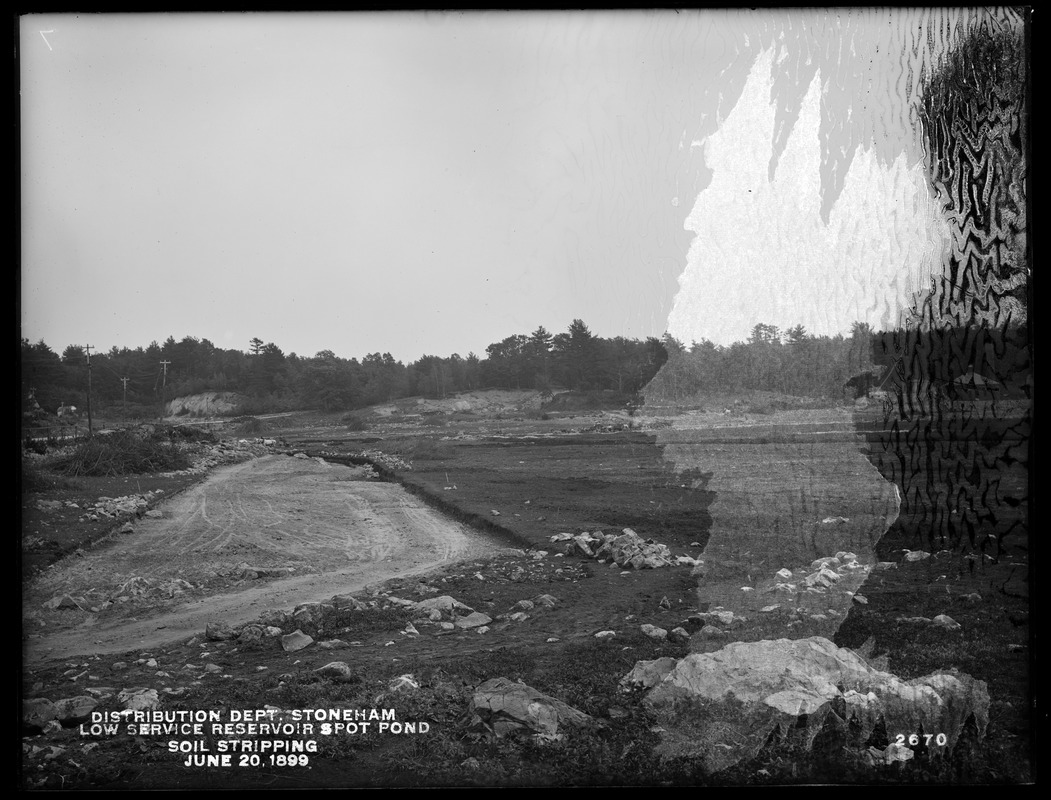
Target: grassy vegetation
column 37, row 478
column 251, row 426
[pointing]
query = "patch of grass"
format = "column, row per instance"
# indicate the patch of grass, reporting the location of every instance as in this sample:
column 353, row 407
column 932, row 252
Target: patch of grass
column 421, row 449
column 188, row 433
column 36, row 478
column 251, row 426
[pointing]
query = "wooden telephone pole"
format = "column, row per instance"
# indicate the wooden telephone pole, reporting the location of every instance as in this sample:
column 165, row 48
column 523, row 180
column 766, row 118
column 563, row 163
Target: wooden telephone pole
column 87, row 355
column 164, row 386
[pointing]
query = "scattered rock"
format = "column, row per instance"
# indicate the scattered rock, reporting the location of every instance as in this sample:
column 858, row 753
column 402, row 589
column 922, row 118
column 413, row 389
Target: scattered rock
column 445, row 605
column 724, row 618
column 678, row 635
column 647, row 674
column 403, row 683
column 251, row 633
column 139, row 699
column 336, row 669
column 654, row 632
column 296, row 640
column 74, row 710
column 36, row 713
column 947, row 622
column 218, row 632
column 475, row 619
column 62, row 601
column 331, row 644
column 502, row 706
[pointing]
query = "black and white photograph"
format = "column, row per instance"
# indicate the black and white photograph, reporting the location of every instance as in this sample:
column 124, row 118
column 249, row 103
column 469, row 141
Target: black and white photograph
column 525, row 398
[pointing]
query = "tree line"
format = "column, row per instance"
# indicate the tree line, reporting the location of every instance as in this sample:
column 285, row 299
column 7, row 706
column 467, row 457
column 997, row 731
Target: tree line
column 140, row 378
column 794, row 362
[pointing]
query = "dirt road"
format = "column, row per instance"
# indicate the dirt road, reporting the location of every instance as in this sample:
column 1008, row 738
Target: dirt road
column 337, row 531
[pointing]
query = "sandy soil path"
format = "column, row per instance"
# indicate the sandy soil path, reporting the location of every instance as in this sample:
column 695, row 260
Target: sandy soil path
column 337, row 531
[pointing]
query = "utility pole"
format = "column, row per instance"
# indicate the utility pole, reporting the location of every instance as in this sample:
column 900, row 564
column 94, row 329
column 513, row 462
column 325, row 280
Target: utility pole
column 87, row 355
column 164, row 385
column 124, row 405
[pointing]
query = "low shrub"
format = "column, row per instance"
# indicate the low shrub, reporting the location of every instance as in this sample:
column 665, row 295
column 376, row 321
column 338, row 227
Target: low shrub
column 122, row 453
column 354, row 422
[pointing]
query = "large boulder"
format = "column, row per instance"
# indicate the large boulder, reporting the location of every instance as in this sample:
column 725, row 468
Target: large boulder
column 37, row 712
column 445, row 606
column 502, row 706
column 74, row 710
column 723, row 706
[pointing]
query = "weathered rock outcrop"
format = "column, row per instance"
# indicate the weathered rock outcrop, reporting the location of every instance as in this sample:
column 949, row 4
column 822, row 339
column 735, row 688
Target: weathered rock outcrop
column 723, row 706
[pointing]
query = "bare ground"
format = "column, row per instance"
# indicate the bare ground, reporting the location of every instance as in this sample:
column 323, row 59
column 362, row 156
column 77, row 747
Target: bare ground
column 336, row 530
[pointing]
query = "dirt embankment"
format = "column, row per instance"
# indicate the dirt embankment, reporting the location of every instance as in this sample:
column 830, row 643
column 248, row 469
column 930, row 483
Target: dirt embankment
column 209, row 404
column 331, row 530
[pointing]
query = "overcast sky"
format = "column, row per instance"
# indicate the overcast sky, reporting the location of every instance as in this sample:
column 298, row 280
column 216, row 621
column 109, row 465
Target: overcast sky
column 431, row 183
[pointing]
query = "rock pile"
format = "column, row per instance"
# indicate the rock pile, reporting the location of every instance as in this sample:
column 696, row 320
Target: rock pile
column 386, row 460
column 135, row 589
column 627, row 549
column 118, row 507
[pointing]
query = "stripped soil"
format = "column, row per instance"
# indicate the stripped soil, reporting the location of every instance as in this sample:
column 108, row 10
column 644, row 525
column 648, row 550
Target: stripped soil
column 332, row 530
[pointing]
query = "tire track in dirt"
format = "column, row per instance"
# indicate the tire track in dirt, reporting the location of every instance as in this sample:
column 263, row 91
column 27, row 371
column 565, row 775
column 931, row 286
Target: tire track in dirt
column 338, row 533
